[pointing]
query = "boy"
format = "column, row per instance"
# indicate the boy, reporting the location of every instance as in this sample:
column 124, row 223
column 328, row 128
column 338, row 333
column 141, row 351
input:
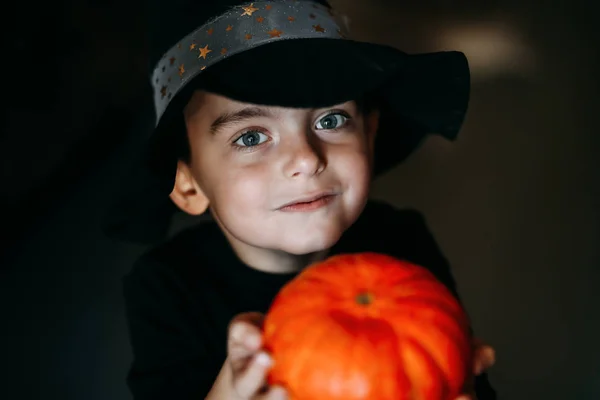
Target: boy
column 275, row 124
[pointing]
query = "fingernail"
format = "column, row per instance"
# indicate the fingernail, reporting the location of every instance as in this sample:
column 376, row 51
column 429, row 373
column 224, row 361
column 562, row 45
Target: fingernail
column 263, row 359
column 280, row 392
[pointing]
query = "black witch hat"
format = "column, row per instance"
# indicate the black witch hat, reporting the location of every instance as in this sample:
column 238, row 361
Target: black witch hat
column 289, row 53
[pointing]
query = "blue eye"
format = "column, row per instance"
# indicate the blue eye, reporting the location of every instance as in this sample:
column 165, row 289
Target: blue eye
column 251, row 138
column 331, row 121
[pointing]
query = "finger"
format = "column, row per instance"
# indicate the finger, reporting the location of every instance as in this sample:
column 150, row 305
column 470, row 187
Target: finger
column 485, row 357
column 274, row 393
column 253, row 318
column 248, row 382
column 245, row 324
column 244, row 340
column 243, row 335
column 464, row 397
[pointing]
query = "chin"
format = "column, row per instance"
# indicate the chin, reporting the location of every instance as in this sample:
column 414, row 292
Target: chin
column 311, row 243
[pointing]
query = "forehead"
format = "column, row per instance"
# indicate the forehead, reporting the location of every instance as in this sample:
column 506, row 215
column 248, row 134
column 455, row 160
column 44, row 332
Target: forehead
column 213, row 105
column 206, row 107
column 208, row 103
column 211, row 113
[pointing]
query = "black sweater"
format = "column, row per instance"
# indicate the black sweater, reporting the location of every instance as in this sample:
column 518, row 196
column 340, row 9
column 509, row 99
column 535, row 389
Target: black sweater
column 181, row 296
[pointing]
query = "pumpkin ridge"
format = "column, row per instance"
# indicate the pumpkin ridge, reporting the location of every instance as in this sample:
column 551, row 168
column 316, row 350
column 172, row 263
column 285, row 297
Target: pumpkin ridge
column 432, row 363
column 447, row 358
column 305, row 353
column 451, row 324
column 304, row 300
column 405, row 304
column 422, row 283
column 307, row 348
column 449, row 329
column 285, row 335
column 368, row 329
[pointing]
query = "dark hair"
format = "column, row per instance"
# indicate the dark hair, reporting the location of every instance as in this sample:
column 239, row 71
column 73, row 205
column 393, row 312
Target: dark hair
column 365, row 105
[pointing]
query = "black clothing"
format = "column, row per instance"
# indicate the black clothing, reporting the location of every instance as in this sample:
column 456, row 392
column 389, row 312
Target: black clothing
column 181, row 296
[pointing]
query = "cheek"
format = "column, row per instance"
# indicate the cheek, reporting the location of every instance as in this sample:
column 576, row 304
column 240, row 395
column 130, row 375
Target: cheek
column 225, row 180
column 241, row 192
column 352, row 165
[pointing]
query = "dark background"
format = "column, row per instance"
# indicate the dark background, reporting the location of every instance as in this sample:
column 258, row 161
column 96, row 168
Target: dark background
column 514, row 203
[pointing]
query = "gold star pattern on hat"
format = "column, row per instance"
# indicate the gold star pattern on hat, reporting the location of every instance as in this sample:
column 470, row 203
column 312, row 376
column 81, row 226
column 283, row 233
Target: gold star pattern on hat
column 274, row 33
column 249, row 10
column 265, row 28
column 204, row 52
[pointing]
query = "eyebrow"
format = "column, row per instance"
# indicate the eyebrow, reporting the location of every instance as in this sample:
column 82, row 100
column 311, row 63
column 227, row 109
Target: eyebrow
column 238, row 116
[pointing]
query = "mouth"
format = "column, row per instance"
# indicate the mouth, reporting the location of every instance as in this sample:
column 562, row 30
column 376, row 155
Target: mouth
column 309, row 203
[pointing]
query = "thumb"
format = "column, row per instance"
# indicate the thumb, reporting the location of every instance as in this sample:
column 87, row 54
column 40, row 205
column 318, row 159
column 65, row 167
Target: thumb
column 253, row 318
column 248, row 382
column 244, row 339
column 274, row 393
column 485, row 357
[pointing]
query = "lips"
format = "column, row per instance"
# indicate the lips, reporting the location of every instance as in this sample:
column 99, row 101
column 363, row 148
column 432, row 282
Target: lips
column 309, row 203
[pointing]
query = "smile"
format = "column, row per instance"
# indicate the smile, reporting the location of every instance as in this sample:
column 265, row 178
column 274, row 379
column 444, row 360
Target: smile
column 310, row 203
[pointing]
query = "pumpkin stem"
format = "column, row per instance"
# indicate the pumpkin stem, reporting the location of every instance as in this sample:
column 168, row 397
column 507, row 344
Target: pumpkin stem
column 364, row 298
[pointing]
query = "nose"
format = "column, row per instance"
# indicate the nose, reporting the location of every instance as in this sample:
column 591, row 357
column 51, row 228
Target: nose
column 306, row 157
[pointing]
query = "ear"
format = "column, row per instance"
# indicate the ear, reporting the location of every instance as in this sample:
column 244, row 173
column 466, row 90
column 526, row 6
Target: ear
column 187, row 194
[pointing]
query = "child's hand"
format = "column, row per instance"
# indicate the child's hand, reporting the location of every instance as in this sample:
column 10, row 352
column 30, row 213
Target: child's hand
column 244, row 372
column 243, row 375
column 484, row 357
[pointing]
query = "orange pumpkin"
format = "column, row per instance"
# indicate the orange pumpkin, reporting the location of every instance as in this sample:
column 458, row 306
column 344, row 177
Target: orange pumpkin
column 368, row 326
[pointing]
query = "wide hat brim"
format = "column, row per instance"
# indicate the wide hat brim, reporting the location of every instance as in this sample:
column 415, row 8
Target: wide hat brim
column 418, row 94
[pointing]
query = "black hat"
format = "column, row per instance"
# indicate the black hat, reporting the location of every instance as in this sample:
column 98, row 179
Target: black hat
column 289, row 53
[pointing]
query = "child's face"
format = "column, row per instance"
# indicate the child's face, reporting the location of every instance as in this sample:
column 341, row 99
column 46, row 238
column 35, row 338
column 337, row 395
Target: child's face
column 258, row 168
